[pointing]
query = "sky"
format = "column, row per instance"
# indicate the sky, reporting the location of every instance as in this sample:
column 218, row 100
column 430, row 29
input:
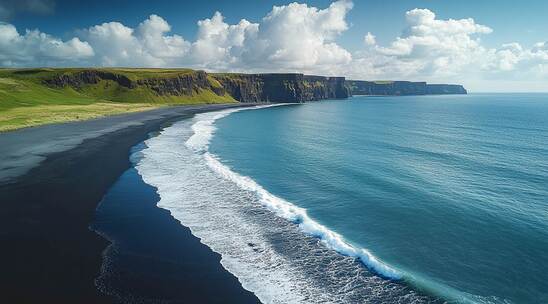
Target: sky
column 488, row 46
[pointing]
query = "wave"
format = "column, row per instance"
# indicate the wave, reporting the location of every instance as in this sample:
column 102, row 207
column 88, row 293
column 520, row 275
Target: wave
column 204, row 129
column 260, row 236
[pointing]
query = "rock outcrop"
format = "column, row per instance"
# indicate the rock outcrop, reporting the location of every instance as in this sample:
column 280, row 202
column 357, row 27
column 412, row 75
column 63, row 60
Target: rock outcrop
column 360, row 87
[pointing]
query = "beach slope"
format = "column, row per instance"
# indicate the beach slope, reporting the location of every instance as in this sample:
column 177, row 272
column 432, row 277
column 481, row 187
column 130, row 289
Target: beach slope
column 51, row 180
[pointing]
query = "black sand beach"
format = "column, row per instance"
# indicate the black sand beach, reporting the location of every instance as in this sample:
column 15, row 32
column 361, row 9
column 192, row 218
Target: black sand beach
column 51, row 181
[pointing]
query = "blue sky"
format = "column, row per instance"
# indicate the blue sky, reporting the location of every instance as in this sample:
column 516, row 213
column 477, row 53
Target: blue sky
column 524, row 22
column 508, row 34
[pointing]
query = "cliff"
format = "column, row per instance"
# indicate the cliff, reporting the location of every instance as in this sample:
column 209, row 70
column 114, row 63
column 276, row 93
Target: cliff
column 35, row 96
column 282, row 87
column 439, row 89
column 360, row 87
column 42, row 86
column 138, row 85
column 173, row 85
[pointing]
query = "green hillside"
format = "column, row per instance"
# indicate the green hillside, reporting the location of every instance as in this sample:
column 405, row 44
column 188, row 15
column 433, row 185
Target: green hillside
column 31, row 97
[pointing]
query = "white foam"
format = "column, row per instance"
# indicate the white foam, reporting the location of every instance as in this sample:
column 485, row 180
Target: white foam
column 229, row 211
column 212, row 208
column 203, row 131
column 203, row 128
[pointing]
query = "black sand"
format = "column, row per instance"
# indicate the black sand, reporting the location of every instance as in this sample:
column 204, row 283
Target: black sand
column 48, row 253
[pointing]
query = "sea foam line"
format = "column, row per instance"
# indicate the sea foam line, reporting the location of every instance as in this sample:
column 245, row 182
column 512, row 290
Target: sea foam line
column 204, row 129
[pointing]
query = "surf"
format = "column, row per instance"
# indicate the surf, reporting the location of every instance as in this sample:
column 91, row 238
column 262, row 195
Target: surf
column 204, row 129
column 240, row 219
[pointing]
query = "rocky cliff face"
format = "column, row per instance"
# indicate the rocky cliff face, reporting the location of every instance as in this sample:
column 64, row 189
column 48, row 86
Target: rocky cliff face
column 242, row 87
column 178, row 85
column 359, row 87
column 282, row 87
column 181, row 85
column 79, row 79
column 438, row 89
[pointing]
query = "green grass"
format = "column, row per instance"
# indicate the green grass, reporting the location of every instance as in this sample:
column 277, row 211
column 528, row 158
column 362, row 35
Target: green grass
column 22, row 93
column 23, row 117
column 26, row 100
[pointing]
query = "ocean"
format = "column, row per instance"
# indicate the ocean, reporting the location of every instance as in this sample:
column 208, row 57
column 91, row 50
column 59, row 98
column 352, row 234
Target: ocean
column 419, row 199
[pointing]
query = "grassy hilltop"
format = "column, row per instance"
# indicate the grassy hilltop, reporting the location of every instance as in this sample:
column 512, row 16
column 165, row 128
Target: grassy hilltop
column 30, row 97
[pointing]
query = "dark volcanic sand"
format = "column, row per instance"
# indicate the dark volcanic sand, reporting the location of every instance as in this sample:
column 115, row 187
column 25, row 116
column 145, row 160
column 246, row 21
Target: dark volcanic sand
column 49, row 254
column 153, row 258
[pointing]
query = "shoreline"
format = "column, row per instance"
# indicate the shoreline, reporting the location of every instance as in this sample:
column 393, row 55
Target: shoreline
column 51, row 180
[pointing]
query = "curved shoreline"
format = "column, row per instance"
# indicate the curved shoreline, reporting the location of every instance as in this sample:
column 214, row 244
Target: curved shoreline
column 199, row 142
column 203, row 133
column 53, row 178
column 234, row 221
column 152, row 258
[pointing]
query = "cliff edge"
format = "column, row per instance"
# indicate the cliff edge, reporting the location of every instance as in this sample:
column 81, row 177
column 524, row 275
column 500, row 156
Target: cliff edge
column 361, row 87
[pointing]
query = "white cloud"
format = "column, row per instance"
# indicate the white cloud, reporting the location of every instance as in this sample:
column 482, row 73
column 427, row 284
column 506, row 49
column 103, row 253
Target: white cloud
column 448, row 51
column 299, row 37
column 219, row 45
column 291, row 38
column 294, row 37
column 118, row 45
column 37, row 48
column 369, row 39
column 513, row 61
column 152, row 36
column 428, row 47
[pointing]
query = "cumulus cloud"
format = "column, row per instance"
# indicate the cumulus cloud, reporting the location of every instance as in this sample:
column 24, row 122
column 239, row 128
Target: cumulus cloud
column 290, row 38
column 118, row 45
column 369, row 39
column 446, row 50
column 293, row 37
column 299, row 37
column 513, row 57
column 152, row 34
column 428, row 46
column 220, row 45
column 37, row 48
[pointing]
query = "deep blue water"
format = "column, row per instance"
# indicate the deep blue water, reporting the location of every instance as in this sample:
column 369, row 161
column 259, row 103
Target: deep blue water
column 452, row 191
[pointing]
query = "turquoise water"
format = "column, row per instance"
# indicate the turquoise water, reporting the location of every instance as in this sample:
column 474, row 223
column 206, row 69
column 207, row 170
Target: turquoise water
column 451, row 191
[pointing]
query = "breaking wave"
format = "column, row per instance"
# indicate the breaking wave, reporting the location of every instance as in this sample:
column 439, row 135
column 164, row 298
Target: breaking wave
column 259, row 235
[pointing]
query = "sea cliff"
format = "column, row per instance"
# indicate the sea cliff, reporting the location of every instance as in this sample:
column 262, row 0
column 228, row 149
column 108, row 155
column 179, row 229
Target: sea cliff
column 120, row 84
column 360, row 87
column 177, row 86
column 35, row 96
column 282, row 87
